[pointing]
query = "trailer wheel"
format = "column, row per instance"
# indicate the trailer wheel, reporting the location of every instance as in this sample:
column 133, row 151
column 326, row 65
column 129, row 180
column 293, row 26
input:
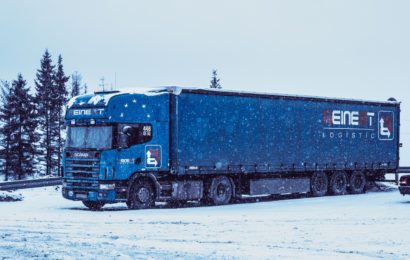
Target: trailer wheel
column 141, row 195
column 357, row 182
column 220, row 191
column 338, row 183
column 318, row 184
column 94, row 205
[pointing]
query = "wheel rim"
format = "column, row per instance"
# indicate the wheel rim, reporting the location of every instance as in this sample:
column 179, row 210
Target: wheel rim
column 320, row 183
column 340, row 183
column 357, row 182
column 220, row 190
column 143, row 194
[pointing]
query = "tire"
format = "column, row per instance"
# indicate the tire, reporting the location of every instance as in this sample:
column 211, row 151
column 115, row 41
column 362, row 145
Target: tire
column 357, row 182
column 338, row 183
column 318, row 184
column 220, row 190
column 141, row 195
column 94, row 205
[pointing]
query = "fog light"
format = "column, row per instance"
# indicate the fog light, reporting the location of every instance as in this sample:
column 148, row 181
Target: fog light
column 107, row 186
column 92, row 121
column 71, row 193
column 73, row 121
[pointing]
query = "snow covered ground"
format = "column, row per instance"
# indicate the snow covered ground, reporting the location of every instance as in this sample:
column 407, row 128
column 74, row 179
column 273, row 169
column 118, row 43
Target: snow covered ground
column 368, row 226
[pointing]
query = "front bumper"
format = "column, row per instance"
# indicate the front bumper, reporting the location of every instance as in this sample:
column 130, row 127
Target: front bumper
column 108, row 196
column 404, row 190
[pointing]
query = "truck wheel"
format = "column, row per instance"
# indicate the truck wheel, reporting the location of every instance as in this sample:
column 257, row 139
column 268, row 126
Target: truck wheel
column 318, row 184
column 141, row 195
column 357, row 182
column 94, row 205
column 338, row 183
column 220, row 191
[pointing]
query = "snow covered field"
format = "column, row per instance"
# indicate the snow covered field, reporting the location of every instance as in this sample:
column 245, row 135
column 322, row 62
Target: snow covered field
column 368, row 226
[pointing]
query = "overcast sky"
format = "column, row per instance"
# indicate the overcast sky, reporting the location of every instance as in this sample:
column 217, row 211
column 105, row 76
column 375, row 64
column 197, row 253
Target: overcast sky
column 352, row 49
column 358, row 49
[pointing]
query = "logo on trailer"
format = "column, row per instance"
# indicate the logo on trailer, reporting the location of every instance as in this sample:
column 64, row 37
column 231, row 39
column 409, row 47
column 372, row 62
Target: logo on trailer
column 349, row 124
column 153, row 156
column 345, row 118
column 386, row 125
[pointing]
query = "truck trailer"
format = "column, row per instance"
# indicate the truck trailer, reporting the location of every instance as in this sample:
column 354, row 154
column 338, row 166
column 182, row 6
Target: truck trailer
column 182, row 144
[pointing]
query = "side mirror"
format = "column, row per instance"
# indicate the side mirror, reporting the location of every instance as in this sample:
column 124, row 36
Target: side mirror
column 131, row 135
column 127, row 130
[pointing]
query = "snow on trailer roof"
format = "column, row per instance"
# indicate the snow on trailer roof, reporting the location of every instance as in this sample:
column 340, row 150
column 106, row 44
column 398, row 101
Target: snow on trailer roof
column 101, row 98
column 390, row 101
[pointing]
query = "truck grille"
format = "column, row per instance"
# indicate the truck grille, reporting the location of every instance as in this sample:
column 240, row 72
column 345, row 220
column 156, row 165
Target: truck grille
column 82, row 168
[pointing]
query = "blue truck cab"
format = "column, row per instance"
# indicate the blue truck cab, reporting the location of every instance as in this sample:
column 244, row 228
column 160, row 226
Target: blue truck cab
column 110, row 137
column 180, row 144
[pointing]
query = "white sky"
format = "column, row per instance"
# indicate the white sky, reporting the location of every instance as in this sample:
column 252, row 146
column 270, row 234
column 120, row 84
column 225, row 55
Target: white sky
column 349, row 48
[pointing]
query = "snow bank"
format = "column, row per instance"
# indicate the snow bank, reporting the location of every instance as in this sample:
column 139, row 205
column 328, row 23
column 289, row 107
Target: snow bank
column 365, row 226
column 10, row 196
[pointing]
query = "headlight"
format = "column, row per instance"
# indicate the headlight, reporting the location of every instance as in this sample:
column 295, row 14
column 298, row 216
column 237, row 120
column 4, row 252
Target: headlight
column 107, row 186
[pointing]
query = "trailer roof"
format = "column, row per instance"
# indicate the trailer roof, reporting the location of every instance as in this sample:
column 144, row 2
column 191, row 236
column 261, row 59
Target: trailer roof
column 177, row 90
column 102, row 98
column 208, row 91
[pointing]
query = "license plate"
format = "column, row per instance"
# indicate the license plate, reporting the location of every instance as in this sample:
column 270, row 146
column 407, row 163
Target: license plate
column 81, row 196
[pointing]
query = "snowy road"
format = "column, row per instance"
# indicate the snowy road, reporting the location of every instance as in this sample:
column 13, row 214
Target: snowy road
column 369, row 226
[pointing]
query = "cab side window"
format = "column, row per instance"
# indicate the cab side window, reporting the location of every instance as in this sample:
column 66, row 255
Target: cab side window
column 132, row 134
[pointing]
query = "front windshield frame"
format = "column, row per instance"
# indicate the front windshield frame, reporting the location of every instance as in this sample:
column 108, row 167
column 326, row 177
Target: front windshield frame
column 90, row 137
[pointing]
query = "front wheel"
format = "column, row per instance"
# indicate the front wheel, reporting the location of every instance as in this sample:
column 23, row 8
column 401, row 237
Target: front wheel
column 94, row 205
column 141, row 195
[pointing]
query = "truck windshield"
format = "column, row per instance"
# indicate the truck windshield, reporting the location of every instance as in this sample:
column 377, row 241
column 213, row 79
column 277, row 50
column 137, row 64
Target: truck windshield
column 93, row 137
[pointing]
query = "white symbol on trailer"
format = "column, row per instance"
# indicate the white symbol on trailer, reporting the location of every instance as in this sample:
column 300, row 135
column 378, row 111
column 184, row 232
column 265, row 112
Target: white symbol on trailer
column 153, row 154
column 386, row 125
column 384, row 131
column 151, row 160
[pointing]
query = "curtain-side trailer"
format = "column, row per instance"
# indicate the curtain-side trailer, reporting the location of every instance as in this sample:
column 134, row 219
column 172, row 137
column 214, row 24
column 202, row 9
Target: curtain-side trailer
column 179, row 144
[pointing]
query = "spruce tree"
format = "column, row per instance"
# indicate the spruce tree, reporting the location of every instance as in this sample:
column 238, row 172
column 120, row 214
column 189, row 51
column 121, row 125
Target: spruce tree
column 6, row 115
column 44, row 100
column 23, row 129
column 58, row 102
column 75, row 84
column 85, row 88
column 215, row 80
column 18, row 130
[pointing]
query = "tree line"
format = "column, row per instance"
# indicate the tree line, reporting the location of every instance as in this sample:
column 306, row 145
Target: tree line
column 32, row 131
column 32, row 122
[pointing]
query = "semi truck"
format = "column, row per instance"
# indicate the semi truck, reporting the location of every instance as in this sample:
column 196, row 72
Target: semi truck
column 178, row 144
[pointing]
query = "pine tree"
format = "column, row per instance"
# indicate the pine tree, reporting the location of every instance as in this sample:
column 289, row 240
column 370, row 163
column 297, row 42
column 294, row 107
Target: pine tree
column 44, row 99
column 215, row 80
column 85, row 88
column 18, row 130
column 59, row 100
column 23, row 129
column 75, row 84
column 6, row 115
